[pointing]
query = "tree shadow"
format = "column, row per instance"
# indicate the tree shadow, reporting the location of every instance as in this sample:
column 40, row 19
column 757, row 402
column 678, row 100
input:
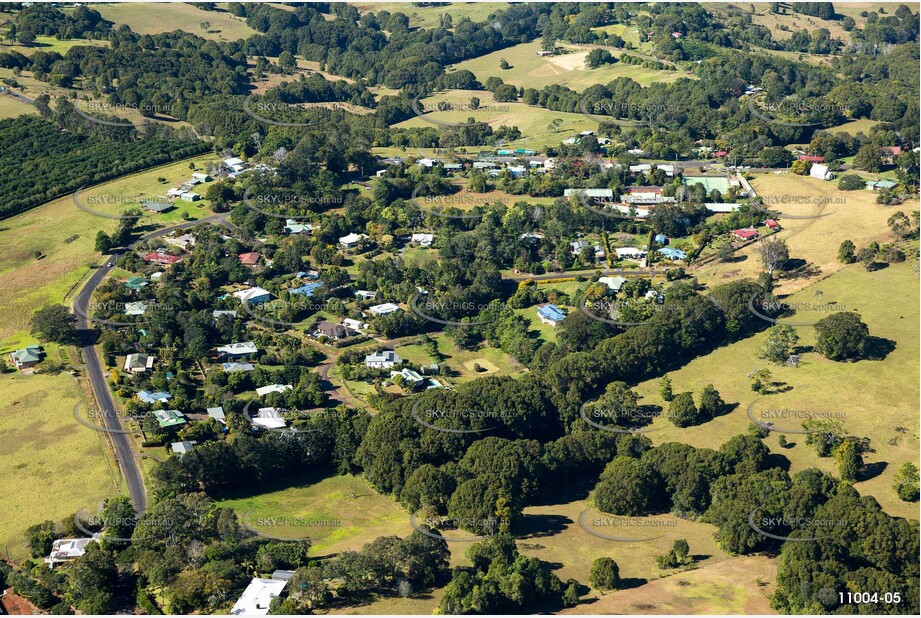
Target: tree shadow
column 538, row 526
column 878, row 348
column 872, row 470
column 797, row 268
column 776, row 460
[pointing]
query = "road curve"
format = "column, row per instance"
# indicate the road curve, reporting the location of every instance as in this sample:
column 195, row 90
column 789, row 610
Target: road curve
column 121, row 442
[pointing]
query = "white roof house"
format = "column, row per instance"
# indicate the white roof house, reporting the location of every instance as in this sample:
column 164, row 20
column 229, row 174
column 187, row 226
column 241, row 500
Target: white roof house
column 354, row 324
column 238, row 349
column 138, row 307
column 629, row 253
column 255, row 294
column 257, row 597
column 262, row 391
column 64, row 550
column 820, row 171
column 384, row 309
column 350, row 240
column 408, row 375
column 383, row 360
column 424, row 240
column 270, row 418
column 589, row 192
column 139, row 363
column 219, row 312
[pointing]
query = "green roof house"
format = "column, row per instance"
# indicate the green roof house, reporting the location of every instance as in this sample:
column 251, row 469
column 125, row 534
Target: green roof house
column 27, row 357
column 169, row 418
column 135, row 283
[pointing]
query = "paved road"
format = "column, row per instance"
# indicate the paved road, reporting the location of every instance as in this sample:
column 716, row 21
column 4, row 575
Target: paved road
column 16, row 95
column 589, row 271
column 124, row 452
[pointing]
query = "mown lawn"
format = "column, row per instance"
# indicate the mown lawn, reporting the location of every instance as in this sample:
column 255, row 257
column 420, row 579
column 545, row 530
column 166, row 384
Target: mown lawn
column 337, row 513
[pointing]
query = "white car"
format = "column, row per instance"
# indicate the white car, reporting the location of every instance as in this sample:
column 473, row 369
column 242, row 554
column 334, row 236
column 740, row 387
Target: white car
column 109, row 265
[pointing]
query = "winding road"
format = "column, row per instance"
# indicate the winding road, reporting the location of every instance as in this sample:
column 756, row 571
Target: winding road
column 121, row 442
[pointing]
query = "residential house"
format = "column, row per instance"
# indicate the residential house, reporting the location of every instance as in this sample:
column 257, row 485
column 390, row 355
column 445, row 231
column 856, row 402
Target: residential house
column 812, row 158
column 183, row 242
column 629, row 253
column 243, row 348
column 614, row 283
column 139, row 363
column 307, row 289
column 217, row 413
column 355, row 324
column 383, row 360
column 577, row 246
column 217, row 313
column 27, row 357
column 138, row 307
column 262, row 391
column 821, row 172
column 772, row 224
column 550, row 314
column 169, row 418
column 149, row 397
column 384, row 309
column 237, row 367
column 250, row 258
column 136, row 283
column 423, row 240
column 410, row 377
column 351, row 240
column 269, row 418
column 65, row 550
column 181, row 448
column 890, row 153
column 258, row 596
column 879, row 185
column 332, row 331
column 160, row 256
column 235, row 165
column 745, row 234
column 365, row 294
column 253, row 296
column 189, row 196
column 201, row 177
column 641, row 168
column 293, row 227
column 672, row 254
column 661, row 239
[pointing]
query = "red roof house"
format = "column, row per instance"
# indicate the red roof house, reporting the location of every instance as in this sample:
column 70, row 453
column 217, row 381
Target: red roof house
column 772, row 224
column 812, row 158
column 160, row 257
column 893, row 150
column 746, row 234
column 719, row 154
column 249, row 259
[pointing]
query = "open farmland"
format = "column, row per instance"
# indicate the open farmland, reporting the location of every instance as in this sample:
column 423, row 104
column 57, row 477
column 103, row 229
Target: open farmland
column 528, row 70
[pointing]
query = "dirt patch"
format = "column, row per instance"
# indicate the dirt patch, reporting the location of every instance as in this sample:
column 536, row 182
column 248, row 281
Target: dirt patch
column 485, row 366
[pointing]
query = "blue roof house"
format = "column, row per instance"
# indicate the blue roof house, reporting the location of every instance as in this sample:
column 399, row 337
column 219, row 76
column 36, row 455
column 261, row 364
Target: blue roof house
column 672, row 254
column 307, row 289
column 550, row 314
